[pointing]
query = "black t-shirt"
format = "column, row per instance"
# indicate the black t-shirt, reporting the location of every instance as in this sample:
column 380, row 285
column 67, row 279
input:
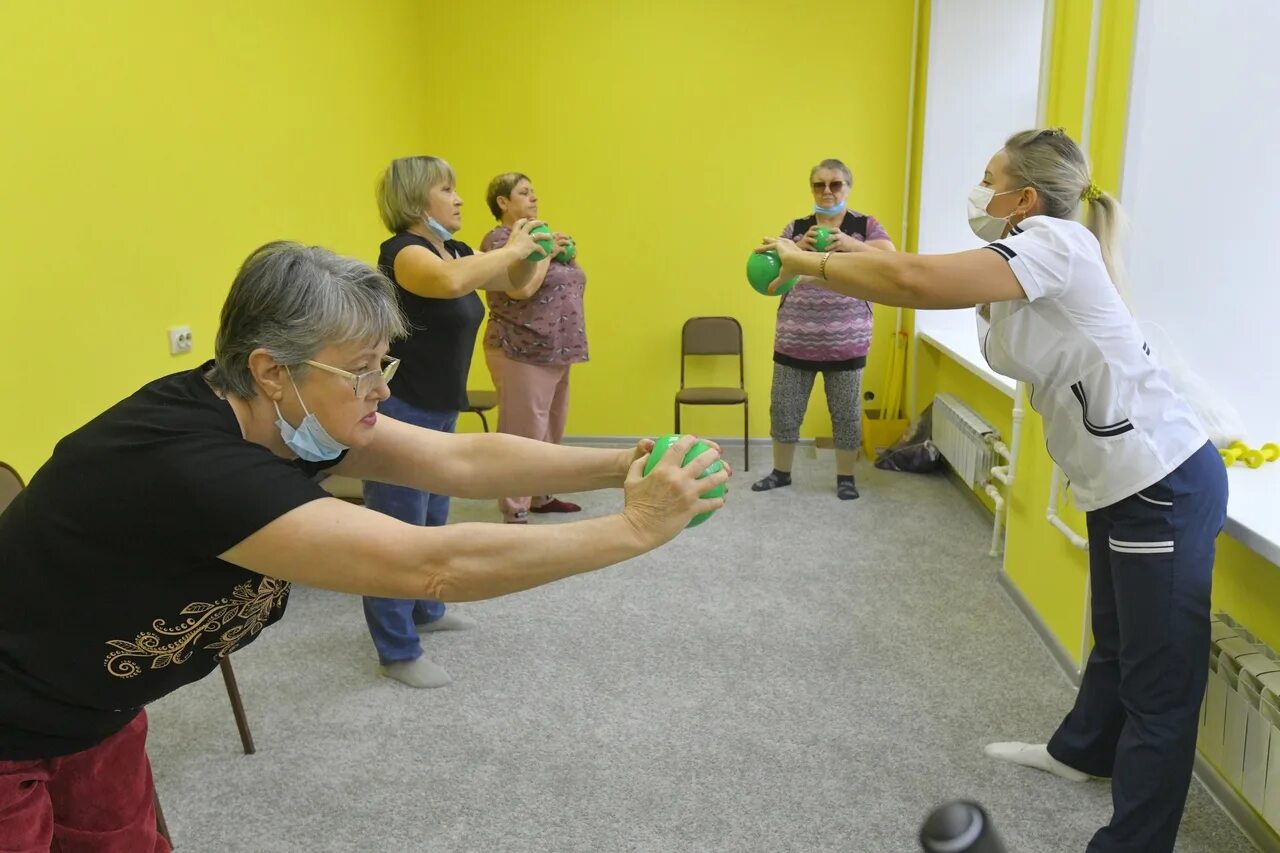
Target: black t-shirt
column 436, row 357
column 111, row 590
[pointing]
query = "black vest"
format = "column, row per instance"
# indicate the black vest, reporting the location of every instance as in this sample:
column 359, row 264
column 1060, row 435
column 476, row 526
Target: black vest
column 852, row 224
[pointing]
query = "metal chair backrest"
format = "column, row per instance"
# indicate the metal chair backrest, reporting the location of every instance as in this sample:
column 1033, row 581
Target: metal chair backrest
column 712, row 336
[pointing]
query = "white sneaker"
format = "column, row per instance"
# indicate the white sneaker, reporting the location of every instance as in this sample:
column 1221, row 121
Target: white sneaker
column 1034, row 755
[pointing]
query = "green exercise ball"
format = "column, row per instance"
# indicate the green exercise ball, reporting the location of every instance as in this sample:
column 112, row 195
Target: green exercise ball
column 820, row 239
column 660, row 446
column 762, row 268
column 567, row 254
column 545, row 245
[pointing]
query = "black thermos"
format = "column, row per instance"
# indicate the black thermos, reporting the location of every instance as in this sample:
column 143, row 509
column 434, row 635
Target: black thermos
column 959, row 827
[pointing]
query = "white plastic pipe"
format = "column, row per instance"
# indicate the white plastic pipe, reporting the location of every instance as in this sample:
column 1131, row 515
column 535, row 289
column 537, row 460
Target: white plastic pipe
column 1005, row 473
column 1015, row 441
column 1001, row 472
column 996, row 528
column 1052, row 513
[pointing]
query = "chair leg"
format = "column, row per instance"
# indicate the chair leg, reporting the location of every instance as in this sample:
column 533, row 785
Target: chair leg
column 237, row 706
column 677, row 430
column 746, row 436
column 161, row 826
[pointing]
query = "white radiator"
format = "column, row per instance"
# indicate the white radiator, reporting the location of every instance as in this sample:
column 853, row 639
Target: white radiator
column 961, row 437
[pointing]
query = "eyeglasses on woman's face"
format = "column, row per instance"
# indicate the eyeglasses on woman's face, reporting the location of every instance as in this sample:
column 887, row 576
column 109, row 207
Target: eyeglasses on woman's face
column 366, row 382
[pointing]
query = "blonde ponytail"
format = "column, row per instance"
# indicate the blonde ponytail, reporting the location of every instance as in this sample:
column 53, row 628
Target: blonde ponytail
column 1106, row 219
column 1052, row 163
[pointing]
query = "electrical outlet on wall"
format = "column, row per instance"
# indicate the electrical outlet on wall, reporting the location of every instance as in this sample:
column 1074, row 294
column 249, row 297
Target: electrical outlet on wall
column 179, row 340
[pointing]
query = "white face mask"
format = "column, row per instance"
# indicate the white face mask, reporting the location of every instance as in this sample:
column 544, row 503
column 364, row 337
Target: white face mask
column 309, row 439
column 438, row 229
column 984, row 225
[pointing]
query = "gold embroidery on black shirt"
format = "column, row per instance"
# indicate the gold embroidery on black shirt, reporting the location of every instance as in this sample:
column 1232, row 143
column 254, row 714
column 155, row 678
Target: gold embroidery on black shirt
column 243, row 615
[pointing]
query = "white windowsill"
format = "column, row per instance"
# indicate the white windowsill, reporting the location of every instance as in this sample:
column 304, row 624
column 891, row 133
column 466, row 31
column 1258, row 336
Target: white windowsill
column 1253, row 518
column 956, row 334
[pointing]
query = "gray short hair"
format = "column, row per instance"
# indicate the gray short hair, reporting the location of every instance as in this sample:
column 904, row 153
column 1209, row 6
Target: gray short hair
column 293, row 301
column 403, row 187
column 835, row 165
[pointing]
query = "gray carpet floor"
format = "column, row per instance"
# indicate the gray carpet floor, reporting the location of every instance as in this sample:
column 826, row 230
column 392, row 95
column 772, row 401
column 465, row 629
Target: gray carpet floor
column 797, row 674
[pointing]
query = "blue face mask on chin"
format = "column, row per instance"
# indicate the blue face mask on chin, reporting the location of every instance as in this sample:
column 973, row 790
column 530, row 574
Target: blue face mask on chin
column 439, row 230
column 829, row 211
column 309, row 439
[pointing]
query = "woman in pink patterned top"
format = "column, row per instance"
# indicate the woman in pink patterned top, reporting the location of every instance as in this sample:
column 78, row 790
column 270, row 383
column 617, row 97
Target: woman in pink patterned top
column 533, row 337
column 822, row 332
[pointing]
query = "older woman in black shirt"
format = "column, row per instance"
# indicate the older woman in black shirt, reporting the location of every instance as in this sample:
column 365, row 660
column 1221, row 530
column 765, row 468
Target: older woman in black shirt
column 165, row 533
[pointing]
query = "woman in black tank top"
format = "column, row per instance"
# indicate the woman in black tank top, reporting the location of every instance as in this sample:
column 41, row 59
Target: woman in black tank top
column 436, row 282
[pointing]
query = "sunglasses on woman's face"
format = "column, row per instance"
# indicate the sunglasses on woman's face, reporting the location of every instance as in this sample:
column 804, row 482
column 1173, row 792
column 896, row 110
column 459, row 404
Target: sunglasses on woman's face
column 834, row 186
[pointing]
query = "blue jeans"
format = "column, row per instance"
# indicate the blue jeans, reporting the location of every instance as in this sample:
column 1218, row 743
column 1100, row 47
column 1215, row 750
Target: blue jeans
column 1138, row 709
column 393, row 621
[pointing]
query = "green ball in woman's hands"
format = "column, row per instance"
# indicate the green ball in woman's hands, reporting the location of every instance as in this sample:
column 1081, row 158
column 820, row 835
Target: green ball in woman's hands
column 660, row 447
column 545, row 245
column 763, row 268
column 821, row 238
column 568, row 253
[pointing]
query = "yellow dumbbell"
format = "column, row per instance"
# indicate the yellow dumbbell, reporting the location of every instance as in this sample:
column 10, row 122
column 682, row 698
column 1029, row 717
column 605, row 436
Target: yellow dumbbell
column 1238, row 451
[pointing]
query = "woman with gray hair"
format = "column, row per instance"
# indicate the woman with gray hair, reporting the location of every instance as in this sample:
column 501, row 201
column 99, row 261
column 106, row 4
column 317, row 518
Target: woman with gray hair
column 822, row 332
column 164, row 534
column 1141, row 467
column 436, row 279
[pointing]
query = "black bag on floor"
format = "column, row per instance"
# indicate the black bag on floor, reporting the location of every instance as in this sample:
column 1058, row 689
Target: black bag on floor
column 914, row 452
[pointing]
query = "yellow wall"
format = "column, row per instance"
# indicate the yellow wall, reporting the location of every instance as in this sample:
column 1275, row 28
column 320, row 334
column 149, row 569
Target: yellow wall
column 160, row 144
column 1069, row 64
column 669, row 137
column 1117, row 25
column 148, row 148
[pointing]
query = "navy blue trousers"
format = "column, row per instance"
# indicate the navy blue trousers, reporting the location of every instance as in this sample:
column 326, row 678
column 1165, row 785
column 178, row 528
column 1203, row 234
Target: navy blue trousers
column 1136, row 716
